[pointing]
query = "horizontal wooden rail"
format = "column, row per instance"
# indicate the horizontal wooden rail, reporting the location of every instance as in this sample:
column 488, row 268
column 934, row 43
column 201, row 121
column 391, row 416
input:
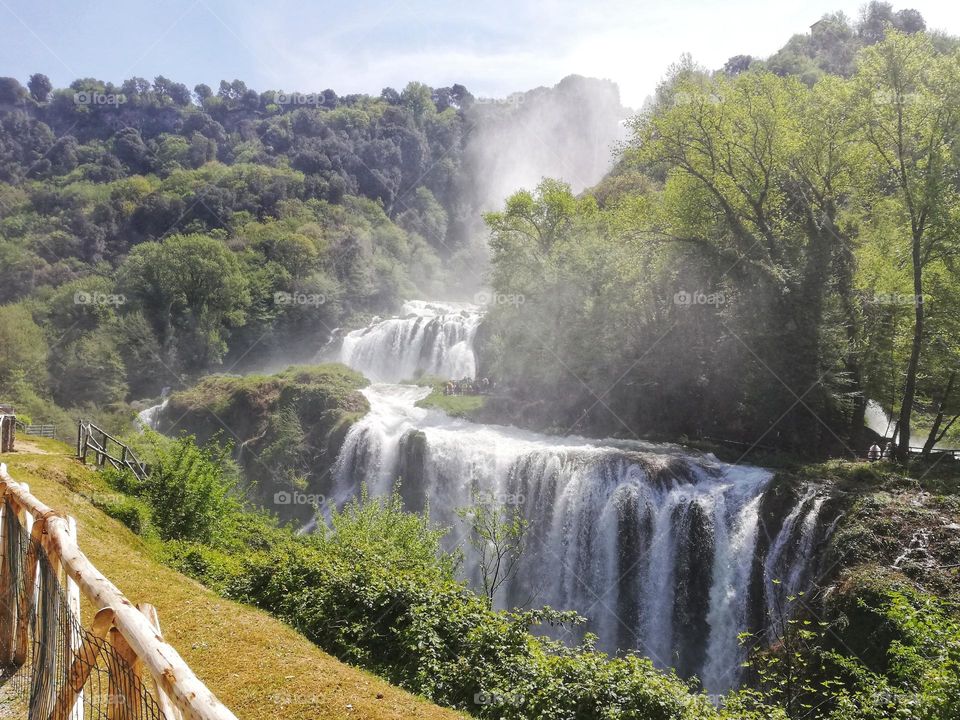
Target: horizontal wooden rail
column 87, row 441
column 172, row 675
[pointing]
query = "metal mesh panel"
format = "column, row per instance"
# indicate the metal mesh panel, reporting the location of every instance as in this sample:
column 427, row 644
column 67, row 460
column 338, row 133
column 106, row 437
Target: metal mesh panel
column 58, row 645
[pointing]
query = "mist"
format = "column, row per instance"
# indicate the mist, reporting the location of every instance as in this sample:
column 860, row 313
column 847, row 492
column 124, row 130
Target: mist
column 568, row 132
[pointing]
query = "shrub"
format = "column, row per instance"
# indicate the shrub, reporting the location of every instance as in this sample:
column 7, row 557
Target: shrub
column 190, row 491
column 376, row 591
column 131, row 512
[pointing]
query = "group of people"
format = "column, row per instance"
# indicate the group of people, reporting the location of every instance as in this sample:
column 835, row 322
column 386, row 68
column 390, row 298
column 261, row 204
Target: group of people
column 480, row 386
column 877, row 453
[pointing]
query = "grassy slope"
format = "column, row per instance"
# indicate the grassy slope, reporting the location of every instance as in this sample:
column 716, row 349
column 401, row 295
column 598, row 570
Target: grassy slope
column 257, row 666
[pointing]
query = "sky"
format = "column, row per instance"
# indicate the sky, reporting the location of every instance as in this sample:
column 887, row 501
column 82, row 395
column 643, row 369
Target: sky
column 494, row 47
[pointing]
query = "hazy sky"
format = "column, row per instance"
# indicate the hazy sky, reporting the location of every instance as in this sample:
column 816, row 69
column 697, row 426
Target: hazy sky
column 493, row 47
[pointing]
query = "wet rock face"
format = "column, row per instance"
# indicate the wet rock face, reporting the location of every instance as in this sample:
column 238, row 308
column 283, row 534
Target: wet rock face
column 691, row 600
column 412, row 456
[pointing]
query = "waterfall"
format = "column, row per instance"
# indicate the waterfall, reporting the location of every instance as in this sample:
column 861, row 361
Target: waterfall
column 788, row 561
column 150, row 418
column 426, row 339
column 652, row 543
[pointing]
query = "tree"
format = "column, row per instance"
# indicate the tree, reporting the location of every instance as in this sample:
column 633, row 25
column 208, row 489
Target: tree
column 40, row 87
column 909, row 21
column 131, row 150
column 418, row 99
column 23, row 349
column 190, row 489
column 11, row 91
column 875, row 16
column 193, row 290
column 499, row 535
column 751, row 186
column 88, row 371
column 737, row 64
column 910, row 103
column 202, row 92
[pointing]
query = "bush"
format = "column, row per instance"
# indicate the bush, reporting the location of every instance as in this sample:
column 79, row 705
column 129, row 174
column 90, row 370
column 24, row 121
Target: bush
column 190, row 491
column 131, row 512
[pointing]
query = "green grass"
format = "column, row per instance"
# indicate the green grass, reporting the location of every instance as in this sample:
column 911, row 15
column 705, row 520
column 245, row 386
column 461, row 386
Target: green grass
column 218, row 392
column 462, row 406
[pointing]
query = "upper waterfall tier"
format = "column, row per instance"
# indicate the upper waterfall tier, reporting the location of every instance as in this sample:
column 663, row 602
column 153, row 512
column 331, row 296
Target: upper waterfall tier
column 427, row 338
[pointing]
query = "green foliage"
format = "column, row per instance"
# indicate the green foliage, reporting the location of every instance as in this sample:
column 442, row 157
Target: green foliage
column 498, row 534
column 289, row 426
column 190, row 491
column 379, row 530
column 890, row 652
column 764, row 255
column 214, row 240
column 465, row 406
column 192, row 284
column 131, row 512
column 23, row 348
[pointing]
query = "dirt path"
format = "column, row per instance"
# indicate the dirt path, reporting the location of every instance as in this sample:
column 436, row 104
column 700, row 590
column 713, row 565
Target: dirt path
column 28, row 447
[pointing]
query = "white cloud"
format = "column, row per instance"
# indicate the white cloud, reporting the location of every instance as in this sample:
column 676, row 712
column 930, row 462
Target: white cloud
column 496, row 48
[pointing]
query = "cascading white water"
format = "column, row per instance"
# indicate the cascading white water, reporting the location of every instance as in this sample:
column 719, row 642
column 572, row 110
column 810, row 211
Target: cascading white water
column 654, row 544
column 877, row 419
column 150, row 418
column 427, row 338
column 788, row 559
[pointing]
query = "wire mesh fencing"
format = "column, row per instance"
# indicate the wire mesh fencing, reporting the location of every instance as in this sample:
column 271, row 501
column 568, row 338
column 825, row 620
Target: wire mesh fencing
column 51, row 666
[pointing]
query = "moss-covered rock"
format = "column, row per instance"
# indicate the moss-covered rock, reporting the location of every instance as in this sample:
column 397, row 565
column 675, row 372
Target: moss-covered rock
column 287, row 429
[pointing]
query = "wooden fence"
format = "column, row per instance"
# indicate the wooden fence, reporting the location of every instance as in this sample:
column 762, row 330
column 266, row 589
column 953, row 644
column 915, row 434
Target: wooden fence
column 129, row 632
column 46, row 430
column 106, row 448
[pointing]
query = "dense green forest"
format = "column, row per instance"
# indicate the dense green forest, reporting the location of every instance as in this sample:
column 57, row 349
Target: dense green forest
column 772, row 250
column 759, row 242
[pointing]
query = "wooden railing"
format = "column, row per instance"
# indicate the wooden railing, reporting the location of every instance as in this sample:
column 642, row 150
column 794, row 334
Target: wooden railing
column 47, row 430
column 132, row 632
column 106, row 448
column 8, row 431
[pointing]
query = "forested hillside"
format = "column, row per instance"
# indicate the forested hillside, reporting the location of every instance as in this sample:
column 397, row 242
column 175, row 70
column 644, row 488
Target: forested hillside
column 150, row 234
column 618, row 364
column 776, row 246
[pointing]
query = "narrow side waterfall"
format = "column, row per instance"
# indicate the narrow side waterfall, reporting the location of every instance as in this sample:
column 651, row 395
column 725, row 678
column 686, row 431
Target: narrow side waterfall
column 654, row 544
column 150, row 418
